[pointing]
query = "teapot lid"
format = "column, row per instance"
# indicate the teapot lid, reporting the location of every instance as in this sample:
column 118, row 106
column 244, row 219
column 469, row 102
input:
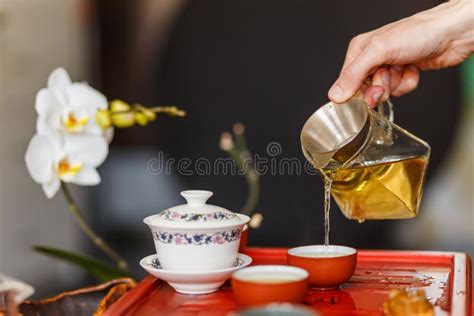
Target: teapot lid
column 196, row 214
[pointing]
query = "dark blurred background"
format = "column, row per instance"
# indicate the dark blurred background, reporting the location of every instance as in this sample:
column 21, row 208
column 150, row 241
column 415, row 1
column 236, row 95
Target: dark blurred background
column 267, row 64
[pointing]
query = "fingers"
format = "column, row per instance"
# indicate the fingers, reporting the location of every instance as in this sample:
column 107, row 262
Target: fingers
column 396, row 73
column 373, row 95
column 394, row 80
column 382, row 77
column 380, row 89
column 408, row 82
column 355, row 72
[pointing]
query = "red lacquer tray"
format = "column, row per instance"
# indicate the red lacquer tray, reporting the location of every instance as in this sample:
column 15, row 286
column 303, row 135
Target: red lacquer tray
column 445, row 277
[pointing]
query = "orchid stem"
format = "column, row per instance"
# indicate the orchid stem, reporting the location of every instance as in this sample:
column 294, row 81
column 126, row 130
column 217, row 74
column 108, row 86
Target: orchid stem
column 86, row 229
column 167, row 109
column 240, row 153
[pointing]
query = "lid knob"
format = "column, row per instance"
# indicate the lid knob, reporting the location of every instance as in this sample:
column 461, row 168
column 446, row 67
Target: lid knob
column 196, row 197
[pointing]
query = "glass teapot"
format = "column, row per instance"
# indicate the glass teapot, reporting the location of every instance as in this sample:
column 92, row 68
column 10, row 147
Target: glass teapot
column 377, row 168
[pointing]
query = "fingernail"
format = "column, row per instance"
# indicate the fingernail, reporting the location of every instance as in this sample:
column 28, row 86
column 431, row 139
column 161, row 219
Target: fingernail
column 386, row 78
column 377, row 95
column 336, row 93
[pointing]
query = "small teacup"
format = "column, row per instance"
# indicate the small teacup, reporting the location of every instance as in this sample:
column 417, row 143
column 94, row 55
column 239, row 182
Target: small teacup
column 328, row 266
column 263, row 284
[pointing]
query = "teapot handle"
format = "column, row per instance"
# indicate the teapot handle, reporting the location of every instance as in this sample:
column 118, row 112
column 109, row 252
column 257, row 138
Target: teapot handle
column 386, row 110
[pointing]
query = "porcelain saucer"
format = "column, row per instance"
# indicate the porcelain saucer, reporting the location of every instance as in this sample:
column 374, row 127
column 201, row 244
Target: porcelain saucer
column 193, row 282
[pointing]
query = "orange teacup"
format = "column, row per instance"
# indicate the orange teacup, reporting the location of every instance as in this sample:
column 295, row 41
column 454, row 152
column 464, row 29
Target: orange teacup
column 263, row 284
column 328, row 266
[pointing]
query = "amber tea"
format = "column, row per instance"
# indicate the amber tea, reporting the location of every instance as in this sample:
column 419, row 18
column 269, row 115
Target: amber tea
column 389, row 189
column 384, row 190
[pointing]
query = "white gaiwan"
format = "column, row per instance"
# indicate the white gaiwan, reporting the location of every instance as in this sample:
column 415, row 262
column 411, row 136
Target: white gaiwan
column 196, row 236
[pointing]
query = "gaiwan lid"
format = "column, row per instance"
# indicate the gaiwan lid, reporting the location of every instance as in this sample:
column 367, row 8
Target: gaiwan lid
column 196, row 214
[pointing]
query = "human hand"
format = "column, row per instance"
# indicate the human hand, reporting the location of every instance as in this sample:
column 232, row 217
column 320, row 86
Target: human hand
column 394, row 54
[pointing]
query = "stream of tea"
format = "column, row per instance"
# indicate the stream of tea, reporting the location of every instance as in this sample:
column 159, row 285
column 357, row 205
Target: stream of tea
column 327, row 203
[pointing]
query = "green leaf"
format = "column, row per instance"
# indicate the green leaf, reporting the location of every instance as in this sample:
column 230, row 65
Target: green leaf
column 99, row 269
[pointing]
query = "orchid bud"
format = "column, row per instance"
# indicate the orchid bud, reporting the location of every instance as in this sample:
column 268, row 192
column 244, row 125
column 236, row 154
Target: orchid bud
column 141, row 118
column 121, row 114
column 103, row 119
column 119, row 106
column 122, row 120
column 150, row 115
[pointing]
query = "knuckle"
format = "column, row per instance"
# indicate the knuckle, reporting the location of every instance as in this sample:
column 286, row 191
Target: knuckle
column 356, row 40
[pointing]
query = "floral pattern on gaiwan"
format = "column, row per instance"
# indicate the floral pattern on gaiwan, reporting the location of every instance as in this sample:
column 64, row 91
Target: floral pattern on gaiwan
column 155, row 263
column 195, row 217
column 197, row 239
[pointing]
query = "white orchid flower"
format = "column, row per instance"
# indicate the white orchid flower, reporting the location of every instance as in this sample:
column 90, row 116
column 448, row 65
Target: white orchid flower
column 68, row 107
column 73, row 158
